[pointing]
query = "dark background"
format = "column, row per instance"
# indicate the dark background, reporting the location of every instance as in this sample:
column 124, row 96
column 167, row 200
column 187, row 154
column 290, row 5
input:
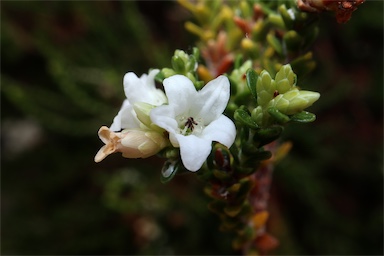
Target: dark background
column 62, row 65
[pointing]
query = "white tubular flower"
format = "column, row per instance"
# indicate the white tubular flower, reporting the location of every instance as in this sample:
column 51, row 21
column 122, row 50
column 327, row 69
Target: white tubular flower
column 137, row 90
column 195, row 118
column 131, row 143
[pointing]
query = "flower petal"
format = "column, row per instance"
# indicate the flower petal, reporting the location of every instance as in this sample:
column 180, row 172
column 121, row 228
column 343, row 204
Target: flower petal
column 193, row 150
column 180, row 92
column 212, row 99
column 222, row 130
column 125, row 118
column 164, row 117
column 143, row 89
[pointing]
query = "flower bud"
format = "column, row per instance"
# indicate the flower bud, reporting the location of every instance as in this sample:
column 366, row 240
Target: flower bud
column 131, row 143
column 265, row 88
column 294, row 101
column 287, row 75
column 141, row 144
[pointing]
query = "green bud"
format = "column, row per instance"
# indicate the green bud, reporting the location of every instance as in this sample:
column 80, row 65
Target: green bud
column 178, row 64
column 257, row 115
column 287, row 73
column 294, row 101
column 265, row 88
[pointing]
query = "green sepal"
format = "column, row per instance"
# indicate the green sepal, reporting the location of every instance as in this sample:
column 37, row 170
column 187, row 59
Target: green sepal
column 251, row 77
column 303, row 117
column 169, row 170
column 159, row 77
column 278, row 116
column 244, row 118
column 266, row 135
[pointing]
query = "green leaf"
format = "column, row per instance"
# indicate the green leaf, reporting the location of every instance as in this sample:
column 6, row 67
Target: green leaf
column 251, row 77
column 244, row 117
column 303, row 117
column 266, row 135
column 275, row 43
column 288, row 20
column 278, row 116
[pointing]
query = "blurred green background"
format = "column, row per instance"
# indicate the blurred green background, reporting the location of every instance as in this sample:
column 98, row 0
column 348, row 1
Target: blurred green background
column 61, row 79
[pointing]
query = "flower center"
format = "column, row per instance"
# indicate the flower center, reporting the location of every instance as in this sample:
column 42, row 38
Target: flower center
column 190, row 125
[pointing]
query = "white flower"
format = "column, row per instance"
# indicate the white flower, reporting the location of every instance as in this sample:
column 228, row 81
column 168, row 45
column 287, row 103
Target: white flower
column 137, row 90
column 194, row 118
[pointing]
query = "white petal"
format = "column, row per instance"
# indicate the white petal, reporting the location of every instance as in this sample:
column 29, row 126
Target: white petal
column 222, row 130
column 143, row 89
column 213, row 99
column 180, row 92
column 194, row 151
column 164, row 117
column 124, row 118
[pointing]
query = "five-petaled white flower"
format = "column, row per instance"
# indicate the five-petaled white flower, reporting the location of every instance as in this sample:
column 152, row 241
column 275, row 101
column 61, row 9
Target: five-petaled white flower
column 137, row 90
column 195, row 118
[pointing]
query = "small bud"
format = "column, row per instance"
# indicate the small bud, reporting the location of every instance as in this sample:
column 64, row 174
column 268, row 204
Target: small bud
column 294, row 101
column 287, row 73
column 131, row 143
column 257, row 115
column 178, row 64
column 265, row 87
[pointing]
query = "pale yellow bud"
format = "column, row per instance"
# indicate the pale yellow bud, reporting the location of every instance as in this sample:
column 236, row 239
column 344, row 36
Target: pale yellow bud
column 294, row 101
column 131, row 143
